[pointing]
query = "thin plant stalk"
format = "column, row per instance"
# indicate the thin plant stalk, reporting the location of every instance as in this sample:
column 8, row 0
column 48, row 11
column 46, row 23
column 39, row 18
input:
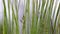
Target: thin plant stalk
column 9, row 22
column 5, row 19
column 51, row 21
column 13, row 17
column 56, row 18
column 24, row 20
column 17, row 26
column 41, row 21
column 34, row 18
column 28, row 17
column 32, row 27
column 9, row 9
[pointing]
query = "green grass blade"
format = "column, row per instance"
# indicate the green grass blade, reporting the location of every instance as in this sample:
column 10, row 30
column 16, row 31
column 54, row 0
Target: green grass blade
column 5, row 19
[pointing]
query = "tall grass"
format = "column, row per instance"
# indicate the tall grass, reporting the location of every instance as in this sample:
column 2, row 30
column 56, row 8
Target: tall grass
column 17, row 24
column 5, row 19
column 45, row 18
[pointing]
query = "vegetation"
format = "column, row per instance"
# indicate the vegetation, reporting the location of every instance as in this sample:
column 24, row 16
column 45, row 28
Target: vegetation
column 44, row 18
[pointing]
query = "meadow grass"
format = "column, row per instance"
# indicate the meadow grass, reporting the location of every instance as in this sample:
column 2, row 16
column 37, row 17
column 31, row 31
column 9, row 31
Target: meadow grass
column 41, row 21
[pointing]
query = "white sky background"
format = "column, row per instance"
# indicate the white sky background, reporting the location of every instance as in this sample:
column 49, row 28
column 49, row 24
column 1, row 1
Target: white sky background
column 1, row 9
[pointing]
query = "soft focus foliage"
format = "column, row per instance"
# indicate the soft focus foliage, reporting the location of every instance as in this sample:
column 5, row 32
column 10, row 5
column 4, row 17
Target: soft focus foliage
column 37, row 17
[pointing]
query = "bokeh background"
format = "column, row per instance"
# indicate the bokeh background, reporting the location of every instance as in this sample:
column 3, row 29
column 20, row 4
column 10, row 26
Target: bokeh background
column 34, row 16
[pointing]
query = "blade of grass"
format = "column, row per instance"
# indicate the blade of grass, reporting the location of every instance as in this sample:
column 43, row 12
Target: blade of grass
column 28, row 17
column 24, row 18
column 13, row 17
column 33, row 29
column 5, row 19
column 58, row 6
column 9, row 22
column 41, row 23
column 17, row 26
column 51, row 24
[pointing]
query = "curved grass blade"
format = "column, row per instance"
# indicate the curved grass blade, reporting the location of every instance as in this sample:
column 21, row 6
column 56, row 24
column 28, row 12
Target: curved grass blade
column 5, row 19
